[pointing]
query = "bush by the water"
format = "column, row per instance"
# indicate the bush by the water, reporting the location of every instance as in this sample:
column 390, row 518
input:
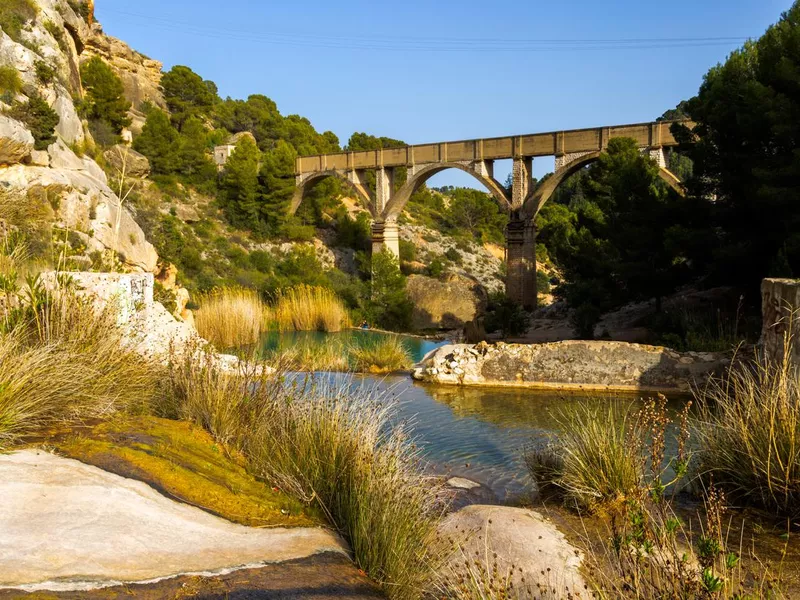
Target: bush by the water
column 383, row 355
column 61, row 361
column 749, row 433
column 308, row 308
column 331, row 445
column 230, row 317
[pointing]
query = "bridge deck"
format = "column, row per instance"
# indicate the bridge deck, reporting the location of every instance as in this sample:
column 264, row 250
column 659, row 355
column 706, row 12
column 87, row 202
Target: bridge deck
column 648, row 135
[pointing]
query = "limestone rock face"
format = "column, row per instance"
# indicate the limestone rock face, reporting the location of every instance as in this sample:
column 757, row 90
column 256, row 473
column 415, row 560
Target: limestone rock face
column 447, row 304
column 59, row 186
column 545, row 564
column 85, row 204
column 127, row 161
column 16, row 142
column 141, row 76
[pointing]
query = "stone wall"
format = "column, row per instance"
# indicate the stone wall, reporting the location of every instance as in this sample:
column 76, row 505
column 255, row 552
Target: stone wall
column 780, row 306
column 584, row 365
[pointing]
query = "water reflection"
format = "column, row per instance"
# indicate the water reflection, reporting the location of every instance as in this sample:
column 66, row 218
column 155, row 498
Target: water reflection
column 482, row 433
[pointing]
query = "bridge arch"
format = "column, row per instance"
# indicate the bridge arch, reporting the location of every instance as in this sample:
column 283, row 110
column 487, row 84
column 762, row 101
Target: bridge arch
column 416, row 178
column 306, row 182
column 538, row 198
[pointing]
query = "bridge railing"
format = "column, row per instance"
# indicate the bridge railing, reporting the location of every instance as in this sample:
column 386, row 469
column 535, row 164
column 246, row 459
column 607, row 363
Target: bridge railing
column 554, row 143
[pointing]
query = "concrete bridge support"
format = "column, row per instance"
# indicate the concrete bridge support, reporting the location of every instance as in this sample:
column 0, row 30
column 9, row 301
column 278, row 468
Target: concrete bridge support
column 385, row 236
column 521, row 261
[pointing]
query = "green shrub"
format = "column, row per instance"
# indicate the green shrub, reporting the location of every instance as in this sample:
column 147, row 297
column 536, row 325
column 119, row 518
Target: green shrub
column 453, row 255
column 506, row 315
column 14, row 14
column 105, row 95
column 44, row 72
column 436, row 268
column 10, row 83
column 39, row 118
column 408, row 251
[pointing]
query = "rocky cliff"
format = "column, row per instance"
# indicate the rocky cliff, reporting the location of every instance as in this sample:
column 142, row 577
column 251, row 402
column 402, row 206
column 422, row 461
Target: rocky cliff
column 60, row 184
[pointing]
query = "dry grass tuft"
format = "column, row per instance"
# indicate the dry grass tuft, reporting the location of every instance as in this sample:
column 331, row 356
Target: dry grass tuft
column 61, row 361
column 331, row 445
column 307, row 308
column 749, row 433
column 230, row 317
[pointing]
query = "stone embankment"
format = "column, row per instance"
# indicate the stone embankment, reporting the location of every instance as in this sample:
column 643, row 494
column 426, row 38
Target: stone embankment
column 575, row 365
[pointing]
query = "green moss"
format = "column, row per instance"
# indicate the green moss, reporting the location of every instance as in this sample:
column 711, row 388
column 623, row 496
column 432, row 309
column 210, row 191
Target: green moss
column 183, row 461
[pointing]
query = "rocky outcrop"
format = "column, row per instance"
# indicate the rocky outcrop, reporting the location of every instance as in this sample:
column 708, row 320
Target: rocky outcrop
column 77, row 189
column 515, row 546
column 447, row 303
column 584, row 365
column 16, row 142
column 476, row 260
column 71, row 191
column 140, row 75
column 127, row 162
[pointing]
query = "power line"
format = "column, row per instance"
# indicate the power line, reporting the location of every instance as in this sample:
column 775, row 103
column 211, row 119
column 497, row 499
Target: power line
column 419, row 44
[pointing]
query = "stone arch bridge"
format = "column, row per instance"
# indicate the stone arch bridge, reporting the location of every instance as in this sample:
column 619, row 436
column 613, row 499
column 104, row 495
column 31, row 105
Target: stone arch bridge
column 573, row 150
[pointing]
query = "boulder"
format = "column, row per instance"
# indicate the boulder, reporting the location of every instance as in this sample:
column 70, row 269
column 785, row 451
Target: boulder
column 123, row 159
column 445, row 304
column 16, row 142
column 572, row 364
column 39, row 158
column 525, row 549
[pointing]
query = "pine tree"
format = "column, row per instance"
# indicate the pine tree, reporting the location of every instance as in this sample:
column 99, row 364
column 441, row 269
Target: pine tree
column 159, row 143
column 239, row 192
column 277, row 185
column 105, row 95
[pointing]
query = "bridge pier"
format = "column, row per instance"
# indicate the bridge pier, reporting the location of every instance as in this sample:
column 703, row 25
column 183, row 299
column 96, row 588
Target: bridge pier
column 521, row 261
column 385, row 236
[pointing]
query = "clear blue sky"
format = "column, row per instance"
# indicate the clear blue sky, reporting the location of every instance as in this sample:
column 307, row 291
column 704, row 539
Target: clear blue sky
column 435, row 70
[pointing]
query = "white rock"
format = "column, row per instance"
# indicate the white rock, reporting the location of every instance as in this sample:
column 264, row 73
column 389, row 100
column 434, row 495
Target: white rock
column 539, row 552
column 16, row 142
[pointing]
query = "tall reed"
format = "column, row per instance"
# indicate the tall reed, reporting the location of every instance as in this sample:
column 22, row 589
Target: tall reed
column 308, row 308
column 382, row 355
column 749, row 432
column 230, row 317
column 330, row 444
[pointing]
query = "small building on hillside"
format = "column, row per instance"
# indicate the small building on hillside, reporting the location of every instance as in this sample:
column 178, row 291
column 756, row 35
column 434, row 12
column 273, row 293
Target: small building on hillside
column 224, row 151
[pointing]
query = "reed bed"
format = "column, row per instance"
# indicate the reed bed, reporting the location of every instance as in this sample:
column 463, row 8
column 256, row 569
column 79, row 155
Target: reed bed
column 230, row 317
column 309, row 308
column 749, row 433
column 383, row 355
column 329, row 444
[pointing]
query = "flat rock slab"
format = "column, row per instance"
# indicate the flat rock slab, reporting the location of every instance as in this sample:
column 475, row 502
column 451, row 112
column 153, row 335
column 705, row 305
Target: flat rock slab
column 319, row 577
column 65, row 525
